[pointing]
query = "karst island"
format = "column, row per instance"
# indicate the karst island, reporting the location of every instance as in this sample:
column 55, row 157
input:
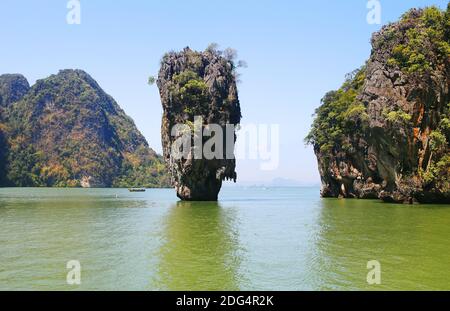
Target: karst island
column 199, row 86
column 385, row 133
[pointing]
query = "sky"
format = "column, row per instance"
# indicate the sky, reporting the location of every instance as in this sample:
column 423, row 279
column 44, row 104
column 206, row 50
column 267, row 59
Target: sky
column 296, row 51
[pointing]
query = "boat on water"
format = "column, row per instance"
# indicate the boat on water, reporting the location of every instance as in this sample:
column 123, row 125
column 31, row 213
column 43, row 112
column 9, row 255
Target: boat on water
column 137, row 189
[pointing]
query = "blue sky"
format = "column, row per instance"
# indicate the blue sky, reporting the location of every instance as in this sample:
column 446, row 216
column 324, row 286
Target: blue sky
column 295, row 50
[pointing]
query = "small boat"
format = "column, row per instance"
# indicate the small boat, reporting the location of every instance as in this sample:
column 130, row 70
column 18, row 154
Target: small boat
column 136, row 189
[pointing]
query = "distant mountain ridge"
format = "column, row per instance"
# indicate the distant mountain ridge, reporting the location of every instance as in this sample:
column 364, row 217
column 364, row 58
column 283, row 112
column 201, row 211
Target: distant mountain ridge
column 65, row 131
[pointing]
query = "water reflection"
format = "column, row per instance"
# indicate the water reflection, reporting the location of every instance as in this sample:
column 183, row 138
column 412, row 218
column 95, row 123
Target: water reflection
column 147, row 241
column 408, row 241
column 200, row 249
column 42, row 231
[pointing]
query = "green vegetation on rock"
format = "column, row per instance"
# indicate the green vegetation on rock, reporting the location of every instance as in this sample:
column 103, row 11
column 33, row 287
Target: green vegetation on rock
column 437, row 175
column 67, row 132
column 340, row 115
column 189, row 88
column 426, row 39
column 386, row 132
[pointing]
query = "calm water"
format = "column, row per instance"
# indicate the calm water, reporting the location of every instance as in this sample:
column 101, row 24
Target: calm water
column 254, row 239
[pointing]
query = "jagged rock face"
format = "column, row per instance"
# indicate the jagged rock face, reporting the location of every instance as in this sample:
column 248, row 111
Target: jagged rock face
column 399, row 145
column 401, row 150
column 194, row 84
column 67, row 132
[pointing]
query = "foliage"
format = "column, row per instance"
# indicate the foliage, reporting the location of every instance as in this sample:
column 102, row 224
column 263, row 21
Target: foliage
column 151, row 80
column 3, row 151
column 438, row 174
column 195, row 64
column 438, row 142
column 427, row 43
column 339, row 116
column 189, row 89
column 140, row 170
column 66, row 128
column 212, row 47
column 397, row 116
column 438, row 171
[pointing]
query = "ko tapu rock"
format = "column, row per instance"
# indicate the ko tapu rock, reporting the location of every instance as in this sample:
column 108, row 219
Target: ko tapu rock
column 198, row 89
column 385, row 133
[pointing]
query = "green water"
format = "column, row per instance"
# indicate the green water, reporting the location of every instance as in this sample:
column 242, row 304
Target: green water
column 254, row 239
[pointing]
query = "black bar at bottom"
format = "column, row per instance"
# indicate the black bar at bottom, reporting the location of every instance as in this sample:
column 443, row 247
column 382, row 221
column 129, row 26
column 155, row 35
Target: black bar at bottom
column 225, row 300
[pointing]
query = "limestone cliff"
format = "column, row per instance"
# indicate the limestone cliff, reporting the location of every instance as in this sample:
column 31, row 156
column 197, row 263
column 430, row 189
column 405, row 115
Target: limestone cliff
column 65, row 131
column 385, row 134
column 198, row 84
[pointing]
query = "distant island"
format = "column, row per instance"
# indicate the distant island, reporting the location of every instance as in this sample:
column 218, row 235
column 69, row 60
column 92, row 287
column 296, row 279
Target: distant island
column 65, row 131
column 385, row 133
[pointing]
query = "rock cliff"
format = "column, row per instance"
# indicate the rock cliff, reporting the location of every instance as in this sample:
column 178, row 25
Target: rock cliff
column 385, row 134
column 65, row 131
column 198, row 84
